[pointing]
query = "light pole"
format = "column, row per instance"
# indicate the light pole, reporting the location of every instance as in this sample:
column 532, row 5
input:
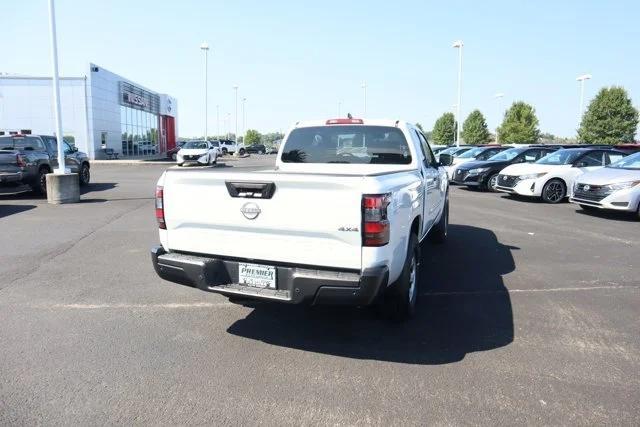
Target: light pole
column 228, row 125
column 582, row 79
column 244, row 120
column 218, row 120
column 498, row 97
column 61, row 170
column 205, row 48
column 364, row 91
column 458, row 44
column 235, row 88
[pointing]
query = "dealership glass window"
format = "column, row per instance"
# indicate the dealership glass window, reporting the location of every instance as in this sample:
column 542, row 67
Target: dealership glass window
column 139, row 132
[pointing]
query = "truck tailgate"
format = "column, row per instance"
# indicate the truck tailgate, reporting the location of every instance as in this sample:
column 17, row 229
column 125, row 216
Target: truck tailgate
column 311, row 219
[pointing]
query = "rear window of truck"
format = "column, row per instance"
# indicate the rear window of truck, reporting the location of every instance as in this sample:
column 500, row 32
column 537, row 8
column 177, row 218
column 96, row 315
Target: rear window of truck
column 357, row 144
column 21, row 143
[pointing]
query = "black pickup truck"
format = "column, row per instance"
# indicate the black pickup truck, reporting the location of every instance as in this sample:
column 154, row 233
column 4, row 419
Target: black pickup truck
column 25, row 160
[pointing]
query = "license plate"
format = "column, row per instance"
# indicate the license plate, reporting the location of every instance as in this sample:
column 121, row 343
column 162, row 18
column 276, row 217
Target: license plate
column 257, row 276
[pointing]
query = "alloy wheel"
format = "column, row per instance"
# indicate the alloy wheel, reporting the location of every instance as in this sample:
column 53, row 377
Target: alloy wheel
column 493, row 181
column 554, row 192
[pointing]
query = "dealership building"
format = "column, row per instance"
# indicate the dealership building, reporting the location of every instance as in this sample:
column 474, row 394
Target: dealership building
column 102, row 113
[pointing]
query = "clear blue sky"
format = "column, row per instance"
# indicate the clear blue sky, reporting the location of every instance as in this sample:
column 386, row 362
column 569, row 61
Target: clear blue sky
column 295, row 60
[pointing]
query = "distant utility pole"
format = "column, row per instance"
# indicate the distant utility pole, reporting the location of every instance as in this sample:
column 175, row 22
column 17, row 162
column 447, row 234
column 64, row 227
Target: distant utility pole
column 205, row 48
column 218, row 120
column 498, row 97
column 364, row 91
column 582, row 79
column 235, row 88
column 458, row 45
column 244, row 120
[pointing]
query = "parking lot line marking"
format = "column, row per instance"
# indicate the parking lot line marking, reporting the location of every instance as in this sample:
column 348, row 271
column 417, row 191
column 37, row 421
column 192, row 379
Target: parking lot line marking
column 516, row 291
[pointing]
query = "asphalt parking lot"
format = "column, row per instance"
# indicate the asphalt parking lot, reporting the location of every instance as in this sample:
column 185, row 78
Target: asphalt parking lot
column 529, row 315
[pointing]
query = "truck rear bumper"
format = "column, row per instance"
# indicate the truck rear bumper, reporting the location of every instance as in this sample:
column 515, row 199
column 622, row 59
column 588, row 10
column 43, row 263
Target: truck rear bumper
column 294, row 285
column 10, row 177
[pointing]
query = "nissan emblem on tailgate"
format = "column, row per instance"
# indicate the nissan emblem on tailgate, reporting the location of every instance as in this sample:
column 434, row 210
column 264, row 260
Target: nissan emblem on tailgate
column 250, row 210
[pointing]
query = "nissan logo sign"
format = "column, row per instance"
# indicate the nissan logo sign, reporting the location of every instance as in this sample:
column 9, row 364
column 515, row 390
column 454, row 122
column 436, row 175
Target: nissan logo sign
column 134, row 99
column 250, row 210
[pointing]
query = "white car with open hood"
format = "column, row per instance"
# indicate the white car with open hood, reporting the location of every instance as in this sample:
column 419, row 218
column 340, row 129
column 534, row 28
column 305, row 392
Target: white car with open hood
column 337, row 221
column 614, row 187
column 198, row 152
column 551, row 178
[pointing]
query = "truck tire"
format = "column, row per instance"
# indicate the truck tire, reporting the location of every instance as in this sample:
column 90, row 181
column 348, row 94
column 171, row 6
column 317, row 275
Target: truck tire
column 85, row 174
column 439, row 232
column 40, row 186
column 401, row 297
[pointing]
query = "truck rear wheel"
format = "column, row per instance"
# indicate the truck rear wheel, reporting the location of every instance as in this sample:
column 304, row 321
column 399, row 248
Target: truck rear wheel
column 401, row 297
column 439, row 232
column 40, row 186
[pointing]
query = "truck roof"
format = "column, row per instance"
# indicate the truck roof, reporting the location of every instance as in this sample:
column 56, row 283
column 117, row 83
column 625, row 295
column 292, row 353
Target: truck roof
column 344, row 121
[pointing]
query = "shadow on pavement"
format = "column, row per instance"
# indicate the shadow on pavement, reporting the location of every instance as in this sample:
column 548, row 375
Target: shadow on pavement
column 610, row 215
column 97, row 186
column 7, row 210
column 464, row 307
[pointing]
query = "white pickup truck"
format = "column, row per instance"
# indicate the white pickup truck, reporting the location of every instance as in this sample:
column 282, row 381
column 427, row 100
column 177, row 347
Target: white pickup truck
column 339, row 220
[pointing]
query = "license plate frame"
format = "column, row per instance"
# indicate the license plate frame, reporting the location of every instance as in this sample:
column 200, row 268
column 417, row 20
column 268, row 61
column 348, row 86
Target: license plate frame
column 257, row 275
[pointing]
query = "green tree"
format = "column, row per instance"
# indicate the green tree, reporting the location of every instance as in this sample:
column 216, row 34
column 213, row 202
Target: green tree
column 474, row 129
column 609, row 119
column 253, row 137
column 520, row 125
column 419, row 126
column 444, row 130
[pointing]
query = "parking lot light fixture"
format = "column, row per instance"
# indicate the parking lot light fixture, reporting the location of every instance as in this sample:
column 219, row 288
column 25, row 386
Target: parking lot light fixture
column 56, row 90
column 582, row 79
column 235, row 88
column 244, row 120
column 498, row 97
column 205, row 48
column 217, row 121
column 364, row 90
column 458, row 45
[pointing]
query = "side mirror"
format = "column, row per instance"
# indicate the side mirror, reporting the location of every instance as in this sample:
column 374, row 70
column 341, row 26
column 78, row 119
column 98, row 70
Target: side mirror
column 74, row 149
column 445, row 159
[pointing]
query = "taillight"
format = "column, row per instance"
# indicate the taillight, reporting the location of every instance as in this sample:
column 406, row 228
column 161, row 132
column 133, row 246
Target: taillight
column 160, row 208
column 20, row 161
column 375, row 223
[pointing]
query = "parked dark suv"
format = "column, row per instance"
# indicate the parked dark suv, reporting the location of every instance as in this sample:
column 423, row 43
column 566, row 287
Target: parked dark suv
column 25, row 160
column 256, row 149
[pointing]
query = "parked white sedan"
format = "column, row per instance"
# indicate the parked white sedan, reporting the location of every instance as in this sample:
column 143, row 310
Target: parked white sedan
column 551, row 178
column 198, row 152
column 615, row 187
